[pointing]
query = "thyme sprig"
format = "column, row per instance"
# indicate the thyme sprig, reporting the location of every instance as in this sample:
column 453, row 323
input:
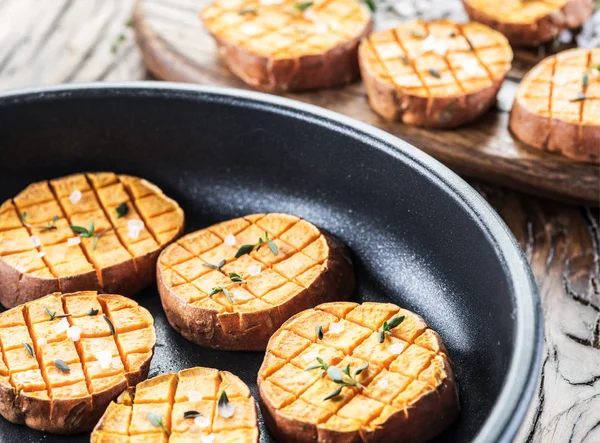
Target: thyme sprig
column 50, row 226
column 90, row 232
column 319, row 365
column 222, row 289
column 236, row 278
column 387, row 327
column 216, row 267
column 344, row 378
column 53, row 314
column 304, row 6
column 28, row 348
column 192, row 414
column 248, row 248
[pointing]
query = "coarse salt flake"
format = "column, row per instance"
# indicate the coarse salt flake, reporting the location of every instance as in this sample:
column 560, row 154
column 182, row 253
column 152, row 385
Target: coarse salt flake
column 62, row 326
column 42, row 341
column 310, row 356
column 74, row 333
column 41, row 254
column 396, row 348
column 429, row 43
column 321, row 28
column 230, row 239
column 560, row 80
column 201, row 421
column 134, row 227
column 336, row 328
column 210, row 438
column 382, row 383
column 250, row 28
column 35, row 241
column 73, row 241
column 240, row 295
column 75, row 196
column 104, row 359
column 440, row 48
column 309, row 14
column 194, row 395
column 254, row 270
column 226, row 411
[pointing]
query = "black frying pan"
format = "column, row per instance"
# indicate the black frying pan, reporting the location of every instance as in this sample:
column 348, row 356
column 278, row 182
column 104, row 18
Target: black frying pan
column 421, row 237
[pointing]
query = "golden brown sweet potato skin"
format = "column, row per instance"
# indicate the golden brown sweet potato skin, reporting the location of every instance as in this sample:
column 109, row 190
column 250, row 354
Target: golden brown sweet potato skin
column 169, row 396
column 556, row 110
column 409, row 391
column 311, row 267
column 310, row 49
column 34, row 392
column 523, row 26
column 444, row 75
column 40, row 253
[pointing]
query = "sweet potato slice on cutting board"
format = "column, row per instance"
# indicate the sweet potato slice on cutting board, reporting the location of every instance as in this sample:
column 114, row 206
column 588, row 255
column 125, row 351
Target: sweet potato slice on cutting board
column 435, row 74
column 233, row 284
column 186, row 407
column 126, row 222
column 347, row 372
column 285, row 45
column 557, row 108
column 531, row 22
column 65, row 357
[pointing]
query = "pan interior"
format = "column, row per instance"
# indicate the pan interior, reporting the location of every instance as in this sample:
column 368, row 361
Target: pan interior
column 414, row 243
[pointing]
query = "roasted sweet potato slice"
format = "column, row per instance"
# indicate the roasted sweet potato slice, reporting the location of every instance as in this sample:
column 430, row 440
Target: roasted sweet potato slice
column 217, row 300
column 436, row 74
column 126, row 222
column 288, row 45
column 63, row 359
column 350, row 372
column 531, row 22
column 185, row 407
column 557, row 108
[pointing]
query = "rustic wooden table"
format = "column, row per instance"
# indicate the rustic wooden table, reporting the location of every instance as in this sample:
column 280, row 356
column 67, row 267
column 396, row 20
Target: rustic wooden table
column 61, row 41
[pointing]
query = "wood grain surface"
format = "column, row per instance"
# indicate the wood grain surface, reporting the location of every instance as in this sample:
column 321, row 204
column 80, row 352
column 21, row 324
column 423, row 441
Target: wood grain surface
column 45, row 42
column 177, row 47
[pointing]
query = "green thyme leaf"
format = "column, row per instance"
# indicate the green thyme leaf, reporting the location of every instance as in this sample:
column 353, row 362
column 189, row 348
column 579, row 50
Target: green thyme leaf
column 335, row 393
column 335, row 374
column 28, row 348
column 417, row 34
column 191, row 414
column 236, row 278
column 62, row 315
column 244, row 249
column 579, row 97
column 273, row 247
column 396, row 321
column 585, row 80
column 109, row 323
column 81, row 231
column 92, row 311
column 62, row 366
column 381, row 336
column 157, row 421
column 95, row 242
column 371, row 5
column 304, row 5
column 319, row 332
column 50, row 313
column 122, row 210
column 50, row 226
column 245, row 11
column 224, row 407
column 361, row 369
column 404, row 60
column 434, row 72
column 215, row 267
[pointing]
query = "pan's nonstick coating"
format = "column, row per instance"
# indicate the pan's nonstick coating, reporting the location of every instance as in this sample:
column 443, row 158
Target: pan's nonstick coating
column 420, row 237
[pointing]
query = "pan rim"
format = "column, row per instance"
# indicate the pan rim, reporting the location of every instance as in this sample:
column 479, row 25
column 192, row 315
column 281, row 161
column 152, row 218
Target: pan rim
column 508, row 413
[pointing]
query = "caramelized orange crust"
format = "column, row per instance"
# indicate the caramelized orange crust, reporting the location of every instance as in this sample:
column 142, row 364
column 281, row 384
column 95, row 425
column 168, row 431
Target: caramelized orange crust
column 33, row 389
column 310, row 267
column 557, row 108
column 408, row 391
column 531, row 22
column 39, row 252
column 169, row 396
column 274, row 45
column 435, row 74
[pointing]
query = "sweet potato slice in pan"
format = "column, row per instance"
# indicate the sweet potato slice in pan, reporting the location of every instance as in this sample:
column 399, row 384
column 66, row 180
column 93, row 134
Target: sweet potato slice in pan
column 126, row 222
column 557, row 108
column 284, row 264
column 186, row 407
column 529, row 23
column 287, row 45
column 435, row 74
column 357, row 373
column 65, row 357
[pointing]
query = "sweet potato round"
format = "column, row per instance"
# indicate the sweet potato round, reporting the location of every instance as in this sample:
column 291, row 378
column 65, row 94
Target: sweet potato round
column 557, row 110
column 407, row 393
column 434, row 74
column 169, row 396
column 529, row 23
column 279, row 47
column 35, row 392
column 37, row 254
column 310, row 267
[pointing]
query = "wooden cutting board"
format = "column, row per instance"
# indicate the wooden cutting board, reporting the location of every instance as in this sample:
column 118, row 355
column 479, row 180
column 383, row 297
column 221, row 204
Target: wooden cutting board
column 176, row 47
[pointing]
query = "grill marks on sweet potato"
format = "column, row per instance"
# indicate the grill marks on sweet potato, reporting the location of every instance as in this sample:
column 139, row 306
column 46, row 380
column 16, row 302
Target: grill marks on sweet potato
column 440, row 64
column 410, row 365
column 169, row 397
column 89, row 383
column 557, row 110
column 46, row 253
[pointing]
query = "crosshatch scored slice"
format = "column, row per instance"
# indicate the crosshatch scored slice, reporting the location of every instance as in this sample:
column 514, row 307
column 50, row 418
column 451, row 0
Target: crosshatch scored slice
column 299, row 267
column 405, row 390
column 39, row 252
column 38, row 390
column 531, row 22
column 435, row 74
column 155, row 411
column 557, row 108
column 286, row 45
